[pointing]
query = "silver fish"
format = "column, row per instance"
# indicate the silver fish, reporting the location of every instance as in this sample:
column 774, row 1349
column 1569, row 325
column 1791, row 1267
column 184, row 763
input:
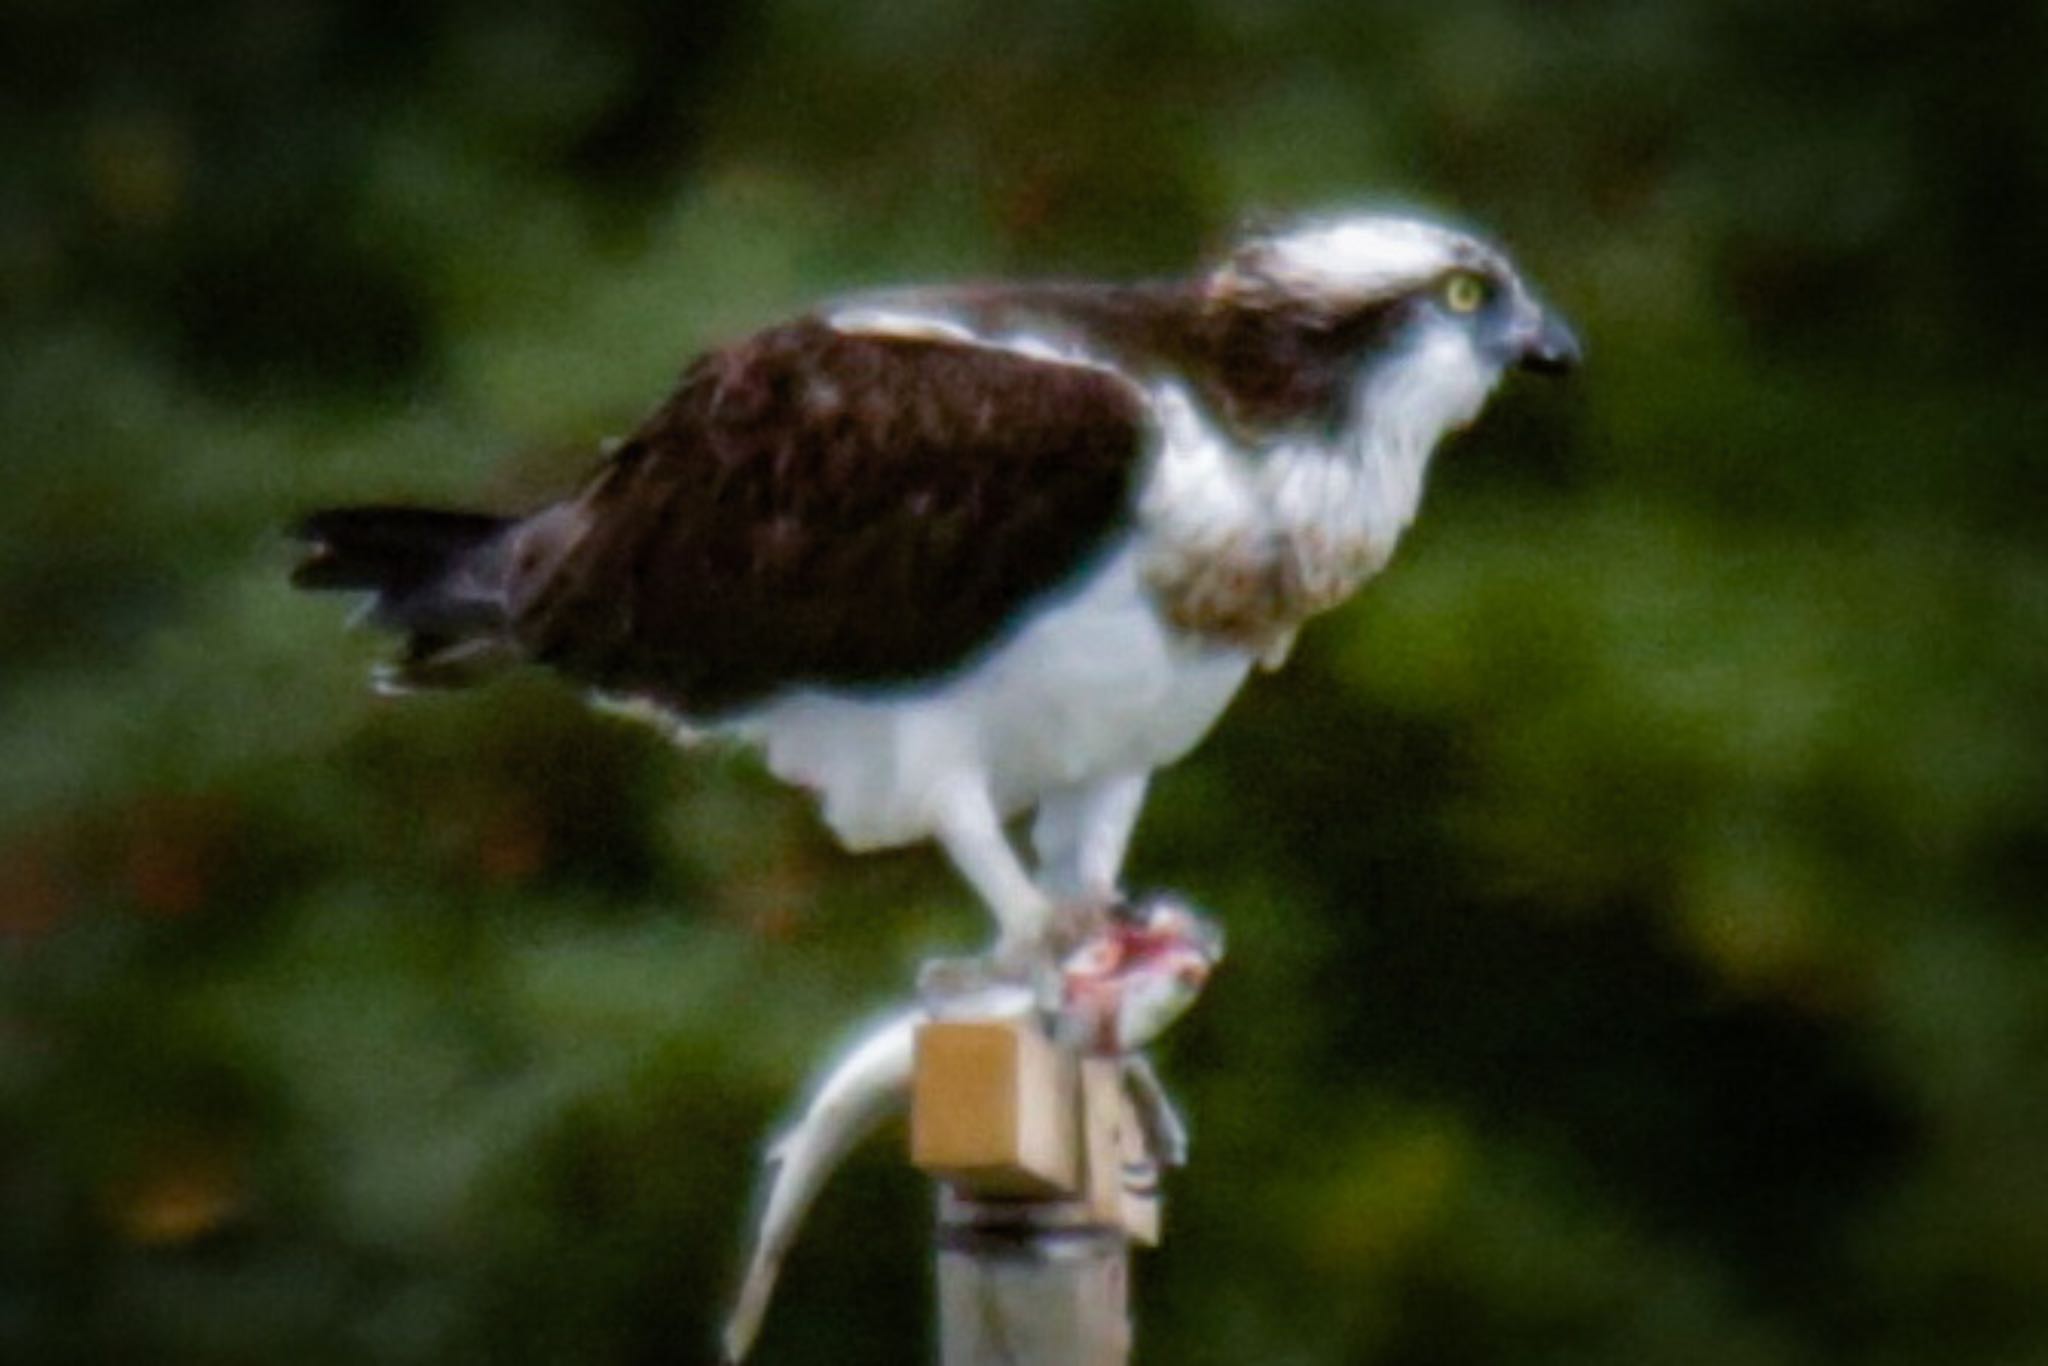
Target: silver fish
column 870, row 1081
column 859, row 1092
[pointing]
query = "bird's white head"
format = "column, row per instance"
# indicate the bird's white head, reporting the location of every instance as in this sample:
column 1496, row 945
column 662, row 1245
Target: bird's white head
column 1402, row 282
column 1368, row 335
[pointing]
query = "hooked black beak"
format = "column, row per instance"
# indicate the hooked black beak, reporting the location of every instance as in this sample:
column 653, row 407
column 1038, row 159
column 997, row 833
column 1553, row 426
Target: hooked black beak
column 1552, row 349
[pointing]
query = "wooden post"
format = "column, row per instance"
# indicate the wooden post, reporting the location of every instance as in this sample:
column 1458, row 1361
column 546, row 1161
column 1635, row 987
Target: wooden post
column 1030, row 1283
column 1033, row 1148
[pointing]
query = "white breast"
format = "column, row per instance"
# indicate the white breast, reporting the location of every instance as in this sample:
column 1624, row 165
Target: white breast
column 1092, row 685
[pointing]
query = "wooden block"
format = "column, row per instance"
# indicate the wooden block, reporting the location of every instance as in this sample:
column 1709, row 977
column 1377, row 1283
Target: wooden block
column 994, row 1109
column 1120, row 1176
column 1138, row 1173
column 1102, row 1103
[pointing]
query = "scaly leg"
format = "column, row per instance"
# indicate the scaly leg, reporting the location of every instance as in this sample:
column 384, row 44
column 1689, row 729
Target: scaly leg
column 1082, row 834
column 970, row 830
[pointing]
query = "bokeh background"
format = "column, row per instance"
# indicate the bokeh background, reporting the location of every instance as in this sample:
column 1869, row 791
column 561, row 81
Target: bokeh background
column 1636, row 898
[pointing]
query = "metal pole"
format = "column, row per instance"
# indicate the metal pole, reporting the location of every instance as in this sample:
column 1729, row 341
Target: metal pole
column 1031, row 1283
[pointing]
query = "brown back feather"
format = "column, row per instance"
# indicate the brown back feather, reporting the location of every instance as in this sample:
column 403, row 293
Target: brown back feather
column 812, row 507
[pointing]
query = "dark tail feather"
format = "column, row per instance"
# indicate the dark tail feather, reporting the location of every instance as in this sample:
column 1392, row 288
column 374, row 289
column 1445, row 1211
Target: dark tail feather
column 439, row 578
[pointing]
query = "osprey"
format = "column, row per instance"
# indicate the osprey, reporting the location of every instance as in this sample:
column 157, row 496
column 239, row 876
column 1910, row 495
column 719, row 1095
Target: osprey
column 951, row 555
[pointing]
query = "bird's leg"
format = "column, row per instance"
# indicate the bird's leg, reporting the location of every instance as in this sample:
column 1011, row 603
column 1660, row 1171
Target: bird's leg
column 1081, row 836
column 970, row 830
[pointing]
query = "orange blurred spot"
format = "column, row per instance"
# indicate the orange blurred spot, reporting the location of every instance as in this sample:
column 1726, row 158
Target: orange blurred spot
column 177, row 1201
column 513, row 844
column 136, row 166
column 174, row 848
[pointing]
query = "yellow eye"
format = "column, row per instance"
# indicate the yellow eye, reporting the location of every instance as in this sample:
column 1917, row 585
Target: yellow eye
column 1464, row 293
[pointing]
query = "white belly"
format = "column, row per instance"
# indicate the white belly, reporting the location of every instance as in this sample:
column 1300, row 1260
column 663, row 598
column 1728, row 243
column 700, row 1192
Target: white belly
column 1096, row 685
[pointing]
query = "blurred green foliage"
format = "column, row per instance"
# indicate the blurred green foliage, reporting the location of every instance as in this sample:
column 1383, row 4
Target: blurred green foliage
column 1636, row 900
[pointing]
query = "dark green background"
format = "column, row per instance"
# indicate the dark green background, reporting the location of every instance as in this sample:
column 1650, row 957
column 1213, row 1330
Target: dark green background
column 1636, row 898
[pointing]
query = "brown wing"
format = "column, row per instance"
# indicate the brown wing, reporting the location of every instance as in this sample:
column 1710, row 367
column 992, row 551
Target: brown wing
column 818, row 507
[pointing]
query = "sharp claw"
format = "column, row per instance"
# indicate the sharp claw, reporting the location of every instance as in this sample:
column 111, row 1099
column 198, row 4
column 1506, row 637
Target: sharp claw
column 959, row 988
column 1074, row 923
column 1125, row 911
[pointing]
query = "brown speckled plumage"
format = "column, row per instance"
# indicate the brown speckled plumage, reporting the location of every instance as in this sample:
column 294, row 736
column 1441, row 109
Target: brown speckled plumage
column 1258, row 365
column 1256, row 593
column 816, row 507
column 856, row 508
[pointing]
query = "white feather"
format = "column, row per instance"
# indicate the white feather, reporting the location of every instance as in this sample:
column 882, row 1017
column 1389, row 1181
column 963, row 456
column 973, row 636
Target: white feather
column 1094, row 685
column 1358, row 255
column 875, row 320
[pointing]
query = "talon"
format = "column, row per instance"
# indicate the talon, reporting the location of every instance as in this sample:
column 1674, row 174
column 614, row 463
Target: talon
column 1124, row 911
column 967, row 988
column 1074, row 923
column 1019, row 959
